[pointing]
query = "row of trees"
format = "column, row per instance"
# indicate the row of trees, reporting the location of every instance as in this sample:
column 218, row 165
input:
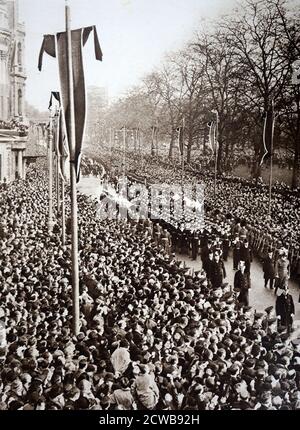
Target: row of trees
column 237, row 67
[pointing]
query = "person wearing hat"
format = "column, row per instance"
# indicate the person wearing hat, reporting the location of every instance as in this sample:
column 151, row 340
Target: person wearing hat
column 236, row 252
column 120, row 358
column 206, row 250
column 195, row 245
column 226, row 247
column 269, row 269
column 285, row 310
column 122, row 396
column 242, row 284
column 245, row 255
column 282, row 271
column 146, row 389
column 217, row 272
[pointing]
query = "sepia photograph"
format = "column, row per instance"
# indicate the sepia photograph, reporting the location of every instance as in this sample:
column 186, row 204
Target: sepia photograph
column 149, row 208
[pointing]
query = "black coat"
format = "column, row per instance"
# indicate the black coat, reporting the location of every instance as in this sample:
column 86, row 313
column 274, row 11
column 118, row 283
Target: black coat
column 269, row 268
column 242, row 284
column 204, row 256
column 285, row 307
column 208, row 268
column 245, row 254
column 217, row 273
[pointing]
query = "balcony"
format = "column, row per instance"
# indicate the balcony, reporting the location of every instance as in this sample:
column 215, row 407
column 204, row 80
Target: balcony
column 13, row 129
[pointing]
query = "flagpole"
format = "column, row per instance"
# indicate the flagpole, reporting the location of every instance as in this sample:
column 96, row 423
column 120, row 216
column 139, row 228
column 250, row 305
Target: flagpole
column 63, row 212
column 152, row 143
column 57, row 167
column 271, row 164
column 50, row 162
column 124, row 155
column 61, row 177
column 182, row 167
column 216, row 153
column 270, row 186
column 73, row 177
column 110, row 146
column 182, row 161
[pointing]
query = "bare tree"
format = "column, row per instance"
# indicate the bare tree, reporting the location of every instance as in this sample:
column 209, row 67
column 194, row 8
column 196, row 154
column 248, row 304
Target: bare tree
column 225, row 88
column 290, row 102
column 168, row 83
column 193, row 97
column 256, row 36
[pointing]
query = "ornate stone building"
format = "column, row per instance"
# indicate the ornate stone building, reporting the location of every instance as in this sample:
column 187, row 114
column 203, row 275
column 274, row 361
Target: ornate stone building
column 13, row 136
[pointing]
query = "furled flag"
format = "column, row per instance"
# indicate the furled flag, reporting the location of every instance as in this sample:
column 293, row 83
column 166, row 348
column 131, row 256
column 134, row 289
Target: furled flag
column 56, row 46
column 213, row 144
column 61, row 146
column 180, row 131
column 268, row 133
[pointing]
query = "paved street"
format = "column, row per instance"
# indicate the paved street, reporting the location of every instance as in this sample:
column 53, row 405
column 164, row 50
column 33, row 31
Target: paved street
column 90, row 186
column 260, row 297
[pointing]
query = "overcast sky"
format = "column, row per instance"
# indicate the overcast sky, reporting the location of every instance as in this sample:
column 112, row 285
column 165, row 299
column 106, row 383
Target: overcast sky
column 134, row 36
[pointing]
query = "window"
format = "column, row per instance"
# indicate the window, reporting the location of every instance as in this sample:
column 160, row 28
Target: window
column 20, row 102
column 20, row 54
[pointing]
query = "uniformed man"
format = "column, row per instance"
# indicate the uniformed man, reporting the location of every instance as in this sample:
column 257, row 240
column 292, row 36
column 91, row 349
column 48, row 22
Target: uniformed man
column 218, row 272
column 195, row 245
column 269, row 269
column 245, row 255
column 242, row 284
column 285, row 310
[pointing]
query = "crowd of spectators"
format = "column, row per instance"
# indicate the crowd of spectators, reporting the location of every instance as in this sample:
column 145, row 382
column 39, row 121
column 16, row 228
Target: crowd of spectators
column 151, row 337
column 14, row 125
column 235, row 199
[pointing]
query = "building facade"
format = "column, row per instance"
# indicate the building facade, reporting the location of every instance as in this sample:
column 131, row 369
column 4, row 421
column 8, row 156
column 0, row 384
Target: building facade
column 13, row 136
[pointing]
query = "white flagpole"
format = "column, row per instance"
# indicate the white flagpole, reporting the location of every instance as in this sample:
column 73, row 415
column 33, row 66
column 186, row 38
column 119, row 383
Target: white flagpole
column 182, row 137
column 73, row 178
column 63, row 212
column 57, row 159
column 50, row 162
column 271, row 161
column 110, row 146
column 215, row 143
column 124, row 148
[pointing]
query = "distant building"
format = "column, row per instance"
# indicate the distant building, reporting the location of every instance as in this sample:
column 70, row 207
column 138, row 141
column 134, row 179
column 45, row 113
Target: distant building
column 13, row 135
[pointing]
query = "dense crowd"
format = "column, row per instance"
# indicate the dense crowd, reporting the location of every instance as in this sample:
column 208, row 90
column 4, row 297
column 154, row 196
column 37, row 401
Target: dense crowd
column 151, row 337
column 235, row 198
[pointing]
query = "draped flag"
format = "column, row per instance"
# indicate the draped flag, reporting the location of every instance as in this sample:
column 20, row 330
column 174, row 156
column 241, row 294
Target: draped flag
column 56, row 46
column 54, row 95
column 59, row 133
column 213, row 144
column 180, row 131
column 62, row 146
column 268, row 133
